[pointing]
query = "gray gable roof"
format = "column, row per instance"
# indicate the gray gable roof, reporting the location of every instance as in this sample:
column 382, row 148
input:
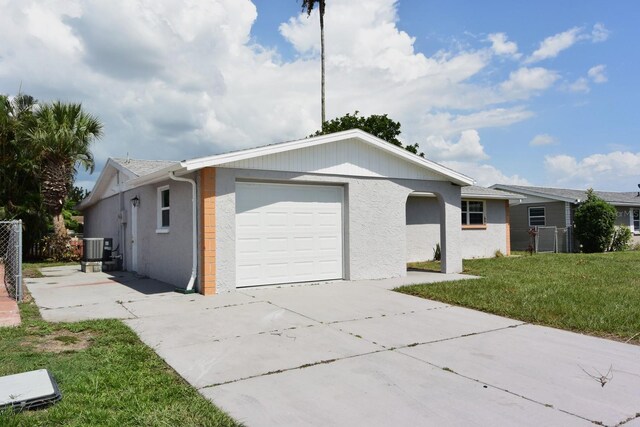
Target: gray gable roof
column 613, row 197
column 478, row 191
column 144, row 167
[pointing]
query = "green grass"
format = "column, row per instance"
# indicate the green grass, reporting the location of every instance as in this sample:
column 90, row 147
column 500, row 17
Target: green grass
column 597, row 294
column 107, row 377
column 32, row 269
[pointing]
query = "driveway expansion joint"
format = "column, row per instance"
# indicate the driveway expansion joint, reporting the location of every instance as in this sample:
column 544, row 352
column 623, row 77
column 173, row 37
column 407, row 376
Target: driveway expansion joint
column 304, row 366
column 486, row 384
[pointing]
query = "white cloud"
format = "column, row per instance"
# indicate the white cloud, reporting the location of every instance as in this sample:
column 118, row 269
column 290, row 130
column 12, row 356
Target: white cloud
column 467, row 147
column 597, row 73
column 486, row 175
column 614, row 170
column 542, row 139
column 553, row 45
column 448, row 124
column 501, row 46
column 183, row 78
column 468, row 156
column 523, row 82
column 581, row 85
column 599, row 33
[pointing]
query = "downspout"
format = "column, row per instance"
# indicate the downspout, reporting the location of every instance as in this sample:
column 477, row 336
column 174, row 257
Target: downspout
column 194, row 219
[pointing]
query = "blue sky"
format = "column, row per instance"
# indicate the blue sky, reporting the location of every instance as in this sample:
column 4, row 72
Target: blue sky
column 504, row 91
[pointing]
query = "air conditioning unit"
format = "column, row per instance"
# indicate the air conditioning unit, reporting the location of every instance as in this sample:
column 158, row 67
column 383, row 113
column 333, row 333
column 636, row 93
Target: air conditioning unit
column 93, row 248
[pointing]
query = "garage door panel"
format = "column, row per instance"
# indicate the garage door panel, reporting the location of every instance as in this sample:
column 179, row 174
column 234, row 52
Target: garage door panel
column 293, row 233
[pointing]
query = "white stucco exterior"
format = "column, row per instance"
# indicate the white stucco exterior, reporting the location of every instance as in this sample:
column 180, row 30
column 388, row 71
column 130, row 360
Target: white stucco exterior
column 375, row 178
column 374, row 225
column 423, row 235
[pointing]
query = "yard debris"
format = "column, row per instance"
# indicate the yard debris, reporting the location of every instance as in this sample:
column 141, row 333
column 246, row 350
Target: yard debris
column 602, row 379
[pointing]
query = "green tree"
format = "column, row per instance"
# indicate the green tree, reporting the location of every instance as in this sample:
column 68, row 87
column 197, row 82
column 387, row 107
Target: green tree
column 380, row 126
column 307, row 6
column 19, row 185
column 594, row 223
column 62, row 136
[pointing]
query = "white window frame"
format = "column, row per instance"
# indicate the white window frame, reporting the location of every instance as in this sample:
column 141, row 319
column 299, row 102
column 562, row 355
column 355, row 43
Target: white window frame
column 484, row 213
column 544, row 209
column 160, row 209
column 635, row 228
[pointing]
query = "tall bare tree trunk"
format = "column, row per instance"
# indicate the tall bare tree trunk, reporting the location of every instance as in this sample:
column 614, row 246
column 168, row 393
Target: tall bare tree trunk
column 321, row 3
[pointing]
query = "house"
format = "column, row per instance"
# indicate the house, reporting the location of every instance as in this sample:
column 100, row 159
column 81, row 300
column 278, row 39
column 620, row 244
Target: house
column 484, row 223
column 546, row 208
column 322, row 208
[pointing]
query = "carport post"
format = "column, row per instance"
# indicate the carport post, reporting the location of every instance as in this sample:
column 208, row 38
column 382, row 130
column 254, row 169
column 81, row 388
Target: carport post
column 450, row 233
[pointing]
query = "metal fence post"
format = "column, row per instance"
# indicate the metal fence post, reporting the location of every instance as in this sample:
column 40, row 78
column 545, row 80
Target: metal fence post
column 18, row 228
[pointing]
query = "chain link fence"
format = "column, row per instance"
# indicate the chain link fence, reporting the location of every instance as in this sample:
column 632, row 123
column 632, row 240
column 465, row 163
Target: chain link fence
column 11, row 258
column 552, row 239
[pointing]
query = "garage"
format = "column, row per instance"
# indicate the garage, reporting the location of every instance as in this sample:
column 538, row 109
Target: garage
column 288, row 233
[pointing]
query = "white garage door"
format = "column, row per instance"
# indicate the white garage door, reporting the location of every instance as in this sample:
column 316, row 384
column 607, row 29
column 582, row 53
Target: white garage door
column 287, row 233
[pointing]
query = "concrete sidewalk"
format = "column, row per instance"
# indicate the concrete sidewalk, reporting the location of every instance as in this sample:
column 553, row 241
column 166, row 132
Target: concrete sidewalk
column 355, row 353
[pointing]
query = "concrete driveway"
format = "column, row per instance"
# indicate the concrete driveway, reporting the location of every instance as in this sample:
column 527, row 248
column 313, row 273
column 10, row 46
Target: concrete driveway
column 355, row 353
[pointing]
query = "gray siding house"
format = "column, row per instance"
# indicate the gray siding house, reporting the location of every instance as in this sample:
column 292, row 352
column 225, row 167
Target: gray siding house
column 324, row 208
column 555, row 207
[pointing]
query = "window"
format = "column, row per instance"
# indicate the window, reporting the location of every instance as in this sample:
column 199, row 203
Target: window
column 537, row 217
column 164, row 212
column 472, row 212
column 636, row 220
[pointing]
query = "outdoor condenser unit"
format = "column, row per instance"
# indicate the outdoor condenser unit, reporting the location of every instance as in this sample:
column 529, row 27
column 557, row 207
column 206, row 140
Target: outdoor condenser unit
column 93, row 249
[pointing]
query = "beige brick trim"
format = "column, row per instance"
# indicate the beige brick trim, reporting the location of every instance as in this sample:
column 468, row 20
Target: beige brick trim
column 208, row 231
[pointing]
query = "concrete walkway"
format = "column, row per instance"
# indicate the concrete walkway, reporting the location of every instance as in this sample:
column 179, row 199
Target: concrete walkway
column 355, row 353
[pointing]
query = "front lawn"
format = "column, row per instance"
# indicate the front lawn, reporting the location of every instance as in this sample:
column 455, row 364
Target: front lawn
column 106, row 374
column 597, row 294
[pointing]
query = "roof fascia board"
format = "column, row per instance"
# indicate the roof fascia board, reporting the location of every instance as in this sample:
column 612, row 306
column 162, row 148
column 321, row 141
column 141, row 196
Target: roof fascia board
column 97, row 187
column 358, row 134
column 534, row 193
column 493, row 196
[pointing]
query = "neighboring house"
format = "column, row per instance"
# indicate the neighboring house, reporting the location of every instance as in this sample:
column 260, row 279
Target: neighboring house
column 484, row 223
column 322, row 208
column 555, row 207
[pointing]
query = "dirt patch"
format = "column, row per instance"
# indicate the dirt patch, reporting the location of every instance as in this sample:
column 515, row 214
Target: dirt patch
column 60, row 341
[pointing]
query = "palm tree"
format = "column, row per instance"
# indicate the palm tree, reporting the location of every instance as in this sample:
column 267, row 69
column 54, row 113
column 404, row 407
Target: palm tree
column 62, row 135
column 307, row 5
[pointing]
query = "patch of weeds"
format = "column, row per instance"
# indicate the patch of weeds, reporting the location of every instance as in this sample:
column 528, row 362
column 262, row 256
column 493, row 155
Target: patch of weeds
column 448, row 370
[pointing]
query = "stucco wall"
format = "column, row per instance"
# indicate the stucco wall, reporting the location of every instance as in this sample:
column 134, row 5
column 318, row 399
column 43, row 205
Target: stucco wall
column 375, row 223
column 165, row 257
column 162, row 256
column 423, row 231
column 101, row 220
column 423, row 228
column 485, row 242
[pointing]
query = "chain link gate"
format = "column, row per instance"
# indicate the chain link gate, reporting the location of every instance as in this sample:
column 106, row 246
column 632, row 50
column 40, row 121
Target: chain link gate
column 11, row 257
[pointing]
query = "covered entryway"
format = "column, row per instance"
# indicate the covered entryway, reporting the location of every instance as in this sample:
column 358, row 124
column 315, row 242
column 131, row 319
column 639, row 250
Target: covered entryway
column 288, row 233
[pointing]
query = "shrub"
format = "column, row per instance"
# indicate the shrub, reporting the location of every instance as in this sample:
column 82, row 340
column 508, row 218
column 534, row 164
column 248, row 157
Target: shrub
column 621, row 239
column 594, row 223
column 437, row 254
column 58, row 248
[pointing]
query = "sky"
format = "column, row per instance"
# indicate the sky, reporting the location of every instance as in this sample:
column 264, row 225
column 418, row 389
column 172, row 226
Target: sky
column 514, row 91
